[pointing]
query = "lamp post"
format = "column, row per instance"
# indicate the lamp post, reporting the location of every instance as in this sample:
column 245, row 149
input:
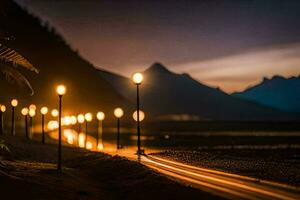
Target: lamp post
column 118, row 112
column 138, row 79
column 31, row 115
column 14, row 103
column 88, row 118
column 61, row 90
column 44, row 111
column 80, row 120
column 25, row 112
column 2, row 110
column 100, row 117
column 139, row 116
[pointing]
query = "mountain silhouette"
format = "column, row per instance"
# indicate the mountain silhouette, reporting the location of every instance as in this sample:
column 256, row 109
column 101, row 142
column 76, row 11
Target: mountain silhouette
column 164, row 93
column 57, row 63
column 278, row 92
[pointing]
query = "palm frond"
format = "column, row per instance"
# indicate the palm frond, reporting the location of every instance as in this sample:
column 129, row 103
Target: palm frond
column 14, row 76
column 13, row 58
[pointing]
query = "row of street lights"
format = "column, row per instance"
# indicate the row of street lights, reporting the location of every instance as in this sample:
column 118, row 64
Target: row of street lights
column 61, row 90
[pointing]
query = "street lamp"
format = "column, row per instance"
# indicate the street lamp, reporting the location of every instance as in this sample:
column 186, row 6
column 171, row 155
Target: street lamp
column 118, row 112
column 32, row 107
column 100, row 117
column 138, row 79
column 73, row 120
column 88, row 118
column 141, row 118
column 44, row 111
column 2, row 110
column 25, row 112
column 80, row 120
column 31, row 115
column 61, row 90
column 54, row 113
column 14, row 103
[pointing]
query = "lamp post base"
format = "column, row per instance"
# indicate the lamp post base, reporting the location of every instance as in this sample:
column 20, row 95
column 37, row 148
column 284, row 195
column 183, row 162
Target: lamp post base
column 140, row 152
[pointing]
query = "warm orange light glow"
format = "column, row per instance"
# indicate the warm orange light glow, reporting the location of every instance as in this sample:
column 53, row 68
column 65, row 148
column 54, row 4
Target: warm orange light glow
column 32, row 106
column 89, row 145
column 31, row 112
column 118, row 112
column 73, row 120
column 69, row 135
column 14, row 102
column 66, row 121
column 80, row 118
column 88, row 117
column 81, row 140
column 70, row 140
column 137, row 78
column 141, row 115
column 54, row 113
column 61, row 90
column 44, row 110
column 100, row 146
column 52, row 125
column 25, row 111
column 2, row 108
column 100, row 116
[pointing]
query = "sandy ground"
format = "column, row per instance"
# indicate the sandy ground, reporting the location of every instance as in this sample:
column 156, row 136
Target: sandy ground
column 279, row 165
column 29, row 172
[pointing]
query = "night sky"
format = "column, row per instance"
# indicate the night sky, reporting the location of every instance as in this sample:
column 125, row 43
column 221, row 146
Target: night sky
column 229, row 44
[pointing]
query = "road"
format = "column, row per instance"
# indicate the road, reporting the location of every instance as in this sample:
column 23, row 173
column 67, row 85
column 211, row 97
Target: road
column 227, row 185
column 231, row 186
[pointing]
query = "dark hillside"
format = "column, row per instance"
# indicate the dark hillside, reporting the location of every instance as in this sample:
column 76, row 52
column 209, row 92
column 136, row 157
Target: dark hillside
column 56, row 62
column 170, row 96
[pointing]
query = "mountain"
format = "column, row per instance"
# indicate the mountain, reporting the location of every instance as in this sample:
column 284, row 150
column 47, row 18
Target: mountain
column 277, row 92
column 167, row 95
column 57, row 63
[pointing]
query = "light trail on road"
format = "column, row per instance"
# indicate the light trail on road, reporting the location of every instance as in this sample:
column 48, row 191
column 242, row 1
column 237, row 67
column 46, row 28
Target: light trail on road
column 231, row 186
column 221, row 183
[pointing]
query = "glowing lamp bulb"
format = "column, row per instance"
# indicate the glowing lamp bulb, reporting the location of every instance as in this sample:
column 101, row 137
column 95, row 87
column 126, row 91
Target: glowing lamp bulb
column 61, row 90
column 66, row 120
column 141, row 115
column 118, row 112
column 32, row 107
column 31, row 112
column 73, row 119
column 54, row 113
column 137, row 78
column 88, row 117
column 44, row 110
column 80, row 118
column 100, row 116
column 2, row 108
column 14, row 102
column 25, row 111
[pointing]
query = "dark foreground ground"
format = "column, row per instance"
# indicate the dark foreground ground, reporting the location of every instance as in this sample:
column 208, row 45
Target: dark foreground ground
column 279, row 164
column 29, row 172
